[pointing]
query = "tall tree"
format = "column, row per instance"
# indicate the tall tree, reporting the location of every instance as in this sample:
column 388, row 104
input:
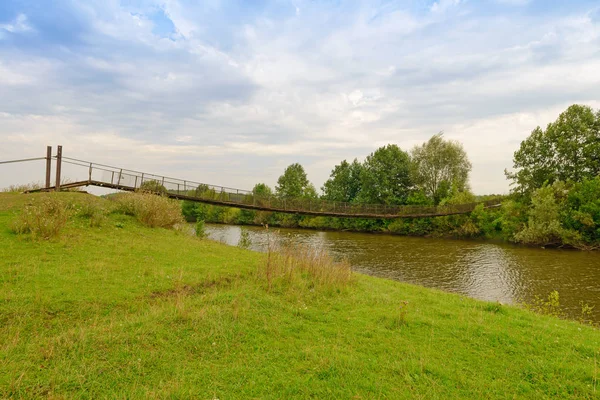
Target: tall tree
column 344, row 182
column 386, row 176
column 567, row 150
column 294, row 183
column 440, row 167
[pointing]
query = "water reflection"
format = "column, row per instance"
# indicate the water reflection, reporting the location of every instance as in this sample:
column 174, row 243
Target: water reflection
column 487, row 271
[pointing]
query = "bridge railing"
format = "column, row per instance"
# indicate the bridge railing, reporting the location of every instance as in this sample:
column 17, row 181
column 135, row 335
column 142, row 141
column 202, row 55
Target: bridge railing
column 132, row 180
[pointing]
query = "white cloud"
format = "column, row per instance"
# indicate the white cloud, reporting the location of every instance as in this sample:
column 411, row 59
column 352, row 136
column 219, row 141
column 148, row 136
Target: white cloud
column 18, row 25
column 513, row 2
column 313, row 87
column 443, row 5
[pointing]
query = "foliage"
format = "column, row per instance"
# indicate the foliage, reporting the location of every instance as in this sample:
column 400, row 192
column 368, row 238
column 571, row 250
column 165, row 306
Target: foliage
column 42, row 218
column 294, row 183
column 549, row 306
column 344, row 183
column 386, row 177
column 438, row 166
column 543, row 226
column 188, row 210
column 262, row 190
column 567, row 150
column 200, row 229
column 582, row 210
column 418, row 198
column 245, row 242
column 153, row 186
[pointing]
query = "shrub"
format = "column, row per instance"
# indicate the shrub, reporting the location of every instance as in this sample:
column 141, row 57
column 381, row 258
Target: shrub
column 200, row 229
column 550, row 306
column 43, row 218
column 150, row 209
column 583, row 210
column 245, row 241
column 544, row 225
column 153, row 186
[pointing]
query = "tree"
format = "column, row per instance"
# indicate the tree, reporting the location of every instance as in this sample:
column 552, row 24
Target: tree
column 294, row 183
column 582, row 211
column 262, row 190
column 568, row 150
column 386, row 176
column 344, row 183
column 153, row 186
column 439, row 167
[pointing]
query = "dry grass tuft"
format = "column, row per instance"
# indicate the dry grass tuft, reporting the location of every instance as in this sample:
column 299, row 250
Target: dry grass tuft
column 150, row 209
column 43, row 218
column 304, row 266
column 22, row 188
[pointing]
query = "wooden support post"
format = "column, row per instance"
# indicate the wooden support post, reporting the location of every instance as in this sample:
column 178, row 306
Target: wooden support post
column 48, row 165
column 58, row 167
column 90, row 174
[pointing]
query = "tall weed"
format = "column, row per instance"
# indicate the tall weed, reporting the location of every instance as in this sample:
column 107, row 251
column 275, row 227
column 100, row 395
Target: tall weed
column 304, row 267
column 21, row 188
column 43, row 218
column 92, row 211
column 149, row 209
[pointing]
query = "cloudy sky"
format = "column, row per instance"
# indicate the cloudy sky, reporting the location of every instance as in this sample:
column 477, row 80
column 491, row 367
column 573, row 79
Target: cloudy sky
column 231, row 92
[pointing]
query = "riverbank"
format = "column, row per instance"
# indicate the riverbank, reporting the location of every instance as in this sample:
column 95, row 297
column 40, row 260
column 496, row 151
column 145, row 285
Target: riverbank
column 484, row 270
column 121, row 310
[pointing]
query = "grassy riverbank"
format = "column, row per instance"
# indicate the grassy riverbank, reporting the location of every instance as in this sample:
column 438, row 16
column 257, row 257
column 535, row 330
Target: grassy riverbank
column 124, row 311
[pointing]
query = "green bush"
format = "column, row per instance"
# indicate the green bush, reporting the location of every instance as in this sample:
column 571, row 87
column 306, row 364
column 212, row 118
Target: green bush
column 200, row 229
column 153, row 186
column 245, row 241
column 543, row 226
column 582, row 212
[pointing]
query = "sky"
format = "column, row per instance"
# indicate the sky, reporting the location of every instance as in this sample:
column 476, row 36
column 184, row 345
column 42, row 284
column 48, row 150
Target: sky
column 231, row 92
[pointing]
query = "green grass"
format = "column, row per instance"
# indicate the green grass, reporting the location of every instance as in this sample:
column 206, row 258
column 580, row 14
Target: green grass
column 125, row 311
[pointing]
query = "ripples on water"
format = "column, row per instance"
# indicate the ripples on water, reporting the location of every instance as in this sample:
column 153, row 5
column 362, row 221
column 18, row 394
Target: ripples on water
column 487, row 271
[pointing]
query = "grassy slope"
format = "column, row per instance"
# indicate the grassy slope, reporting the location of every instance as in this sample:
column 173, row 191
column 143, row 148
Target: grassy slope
column 131, row 312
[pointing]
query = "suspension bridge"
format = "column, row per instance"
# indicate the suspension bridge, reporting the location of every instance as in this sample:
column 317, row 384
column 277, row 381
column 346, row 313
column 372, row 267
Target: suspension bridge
column 111, row 177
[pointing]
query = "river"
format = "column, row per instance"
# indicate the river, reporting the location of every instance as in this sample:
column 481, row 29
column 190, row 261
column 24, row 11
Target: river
column 482, row 270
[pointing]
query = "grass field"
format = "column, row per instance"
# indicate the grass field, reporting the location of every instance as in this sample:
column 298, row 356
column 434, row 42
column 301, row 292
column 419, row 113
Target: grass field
column 113, row 309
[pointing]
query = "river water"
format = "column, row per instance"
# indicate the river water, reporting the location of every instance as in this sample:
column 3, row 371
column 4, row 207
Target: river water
column 487, row 271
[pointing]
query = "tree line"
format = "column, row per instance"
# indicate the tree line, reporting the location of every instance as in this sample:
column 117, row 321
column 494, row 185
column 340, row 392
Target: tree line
column 554, row 200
